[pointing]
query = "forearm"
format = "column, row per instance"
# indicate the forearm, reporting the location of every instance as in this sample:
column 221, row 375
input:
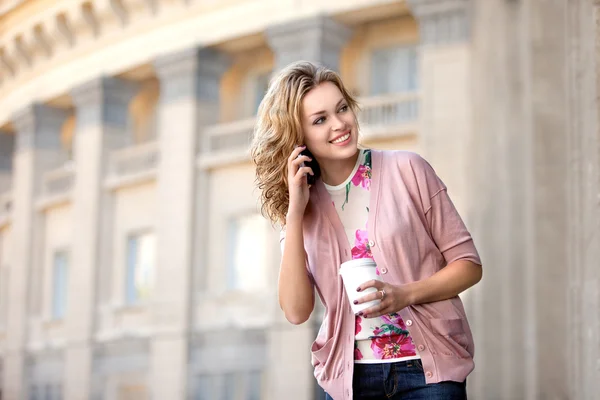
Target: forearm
column 296, row 294
column 446, row 283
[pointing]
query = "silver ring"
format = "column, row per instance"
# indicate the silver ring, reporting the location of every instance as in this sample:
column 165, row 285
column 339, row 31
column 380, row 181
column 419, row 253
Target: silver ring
column 382, row 291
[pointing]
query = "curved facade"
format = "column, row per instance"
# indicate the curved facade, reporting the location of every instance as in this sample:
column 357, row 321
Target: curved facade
column 134, row 263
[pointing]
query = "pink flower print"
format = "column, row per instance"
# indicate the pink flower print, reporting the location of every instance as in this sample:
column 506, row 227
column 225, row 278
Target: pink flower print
column 357, row 354
column 377, row 270
column 393, row 319
column 362, row 177
column 357, row 327
column 395, row 346
column 361, row 247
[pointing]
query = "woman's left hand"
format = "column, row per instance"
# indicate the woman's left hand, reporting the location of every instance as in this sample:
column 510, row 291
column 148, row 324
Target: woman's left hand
column 395, row 298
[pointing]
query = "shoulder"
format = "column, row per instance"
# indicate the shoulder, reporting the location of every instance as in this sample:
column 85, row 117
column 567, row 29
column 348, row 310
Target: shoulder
column 412, row 169
column 404, row 160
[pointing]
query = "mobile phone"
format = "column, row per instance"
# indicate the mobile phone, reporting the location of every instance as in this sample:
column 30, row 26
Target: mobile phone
column 314, row 165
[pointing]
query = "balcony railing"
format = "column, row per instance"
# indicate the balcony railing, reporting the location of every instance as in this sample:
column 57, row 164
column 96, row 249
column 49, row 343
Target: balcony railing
column 225, row 143
column 134, row 162
column 387, row 115
column 234, row 135
column 58, row 182
column 380, row 116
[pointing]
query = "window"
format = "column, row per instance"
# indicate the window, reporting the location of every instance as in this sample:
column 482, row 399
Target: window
column 204, row 388
column 394, row 70
column 141, row 258
column 45, row 391
column 254, row 385
column 60, row 274
column 247, row 263
column 241, row 385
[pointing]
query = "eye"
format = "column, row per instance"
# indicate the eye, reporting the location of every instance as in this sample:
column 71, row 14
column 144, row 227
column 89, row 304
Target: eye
column 319, row 121
column 344, row 108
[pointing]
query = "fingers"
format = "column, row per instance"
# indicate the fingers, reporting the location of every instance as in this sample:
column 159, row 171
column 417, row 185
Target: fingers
column 296, row 159
column 372, row 283
column 376, row 311
column 295, row 153
column 300, row 160
column 368, row 297
column 303, row 171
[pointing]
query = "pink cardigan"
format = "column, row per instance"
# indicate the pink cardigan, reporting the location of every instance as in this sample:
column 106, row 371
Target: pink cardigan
column 414, row 231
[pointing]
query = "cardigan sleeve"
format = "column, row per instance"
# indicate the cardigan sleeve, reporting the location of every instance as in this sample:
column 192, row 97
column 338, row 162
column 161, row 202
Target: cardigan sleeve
column 445, row 225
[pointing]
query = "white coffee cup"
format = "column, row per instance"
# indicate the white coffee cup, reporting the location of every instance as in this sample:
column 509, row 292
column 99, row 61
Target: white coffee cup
column 354, row 273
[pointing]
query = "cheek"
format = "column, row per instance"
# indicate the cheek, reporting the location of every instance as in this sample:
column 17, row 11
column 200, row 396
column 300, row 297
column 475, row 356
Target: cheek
column 350, row 118
column 313, row 134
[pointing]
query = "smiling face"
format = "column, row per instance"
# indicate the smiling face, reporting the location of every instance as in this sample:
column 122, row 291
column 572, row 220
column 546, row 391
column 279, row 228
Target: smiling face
column 329, row 125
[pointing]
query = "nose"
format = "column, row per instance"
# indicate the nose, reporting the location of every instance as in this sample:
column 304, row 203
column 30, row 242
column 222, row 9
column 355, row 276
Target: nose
column 337, row 123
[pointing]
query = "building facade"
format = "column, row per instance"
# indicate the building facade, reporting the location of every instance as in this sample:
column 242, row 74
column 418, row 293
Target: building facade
column 134, row 262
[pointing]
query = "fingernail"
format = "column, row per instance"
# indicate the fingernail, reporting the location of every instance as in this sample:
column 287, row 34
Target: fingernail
column 365, row 316
column 360, row 313
column 358, row 290
column 355, row 301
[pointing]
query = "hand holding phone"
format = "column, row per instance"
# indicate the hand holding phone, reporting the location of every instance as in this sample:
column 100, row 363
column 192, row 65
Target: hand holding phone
column 314, row 165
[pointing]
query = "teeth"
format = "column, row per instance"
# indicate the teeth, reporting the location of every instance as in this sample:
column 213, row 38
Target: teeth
column 342, row 139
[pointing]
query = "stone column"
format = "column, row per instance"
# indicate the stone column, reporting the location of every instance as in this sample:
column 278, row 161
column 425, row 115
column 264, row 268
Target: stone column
column 101, row 112
column 321, row 40
column 583, row 195
column 318, row 39
column 445, row 81
column 537, row 161
column 189, row 93
column 7, row 147
column 37, row 150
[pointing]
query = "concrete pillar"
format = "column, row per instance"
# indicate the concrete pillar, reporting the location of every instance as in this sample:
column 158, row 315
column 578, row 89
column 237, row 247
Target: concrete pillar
column 37, row 150
column 537, row 166
column 189, row 93
column 101, row 112
column 583, row 190
column 446, row 101
column 318, row 39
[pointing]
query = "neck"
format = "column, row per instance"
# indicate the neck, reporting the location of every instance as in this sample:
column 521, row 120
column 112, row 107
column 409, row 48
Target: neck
column 334, row 172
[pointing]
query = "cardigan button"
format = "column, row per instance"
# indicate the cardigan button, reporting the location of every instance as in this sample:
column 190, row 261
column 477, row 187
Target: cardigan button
column 421, row 347
column 428, row 374
column 408, row 322
column 371, row 243
column 383, row 270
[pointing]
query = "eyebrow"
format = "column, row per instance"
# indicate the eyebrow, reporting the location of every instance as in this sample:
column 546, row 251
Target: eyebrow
column 323, row 112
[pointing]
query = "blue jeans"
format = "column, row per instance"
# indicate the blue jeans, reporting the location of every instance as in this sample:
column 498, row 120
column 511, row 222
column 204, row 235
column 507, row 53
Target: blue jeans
column 403, row 380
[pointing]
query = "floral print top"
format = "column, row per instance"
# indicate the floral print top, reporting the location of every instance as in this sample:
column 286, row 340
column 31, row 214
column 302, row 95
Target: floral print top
column 382, row 339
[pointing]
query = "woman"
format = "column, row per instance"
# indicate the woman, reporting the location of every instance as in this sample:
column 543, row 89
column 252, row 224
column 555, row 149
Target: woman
column 387, row 206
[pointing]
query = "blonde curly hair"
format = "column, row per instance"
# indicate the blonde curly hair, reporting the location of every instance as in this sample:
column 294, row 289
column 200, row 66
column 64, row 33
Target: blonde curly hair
column 278, row 130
